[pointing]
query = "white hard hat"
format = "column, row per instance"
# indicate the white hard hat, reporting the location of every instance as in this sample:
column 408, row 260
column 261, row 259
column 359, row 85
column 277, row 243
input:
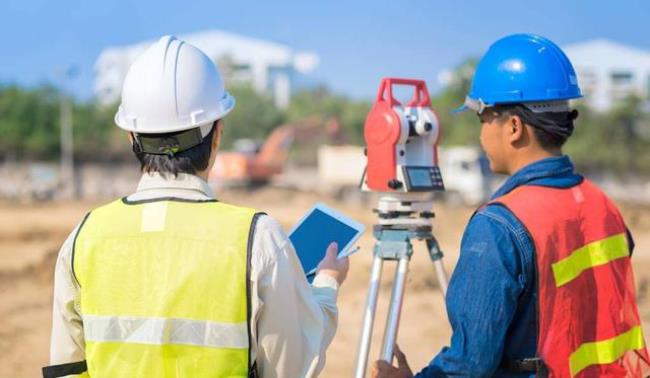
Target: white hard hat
column 173, row 86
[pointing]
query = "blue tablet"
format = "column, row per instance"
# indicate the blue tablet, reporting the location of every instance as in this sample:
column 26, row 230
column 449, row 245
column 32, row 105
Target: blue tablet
column 317, row 229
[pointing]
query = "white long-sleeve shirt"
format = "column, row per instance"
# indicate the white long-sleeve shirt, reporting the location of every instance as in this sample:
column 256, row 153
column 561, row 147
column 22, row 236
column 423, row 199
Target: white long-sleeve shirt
column 292, row 322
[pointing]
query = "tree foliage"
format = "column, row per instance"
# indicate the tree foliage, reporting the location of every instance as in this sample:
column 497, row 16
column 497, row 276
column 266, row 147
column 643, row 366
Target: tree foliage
column 615, row 141
column 29, row 122
column 320, row 101
column 254, row 116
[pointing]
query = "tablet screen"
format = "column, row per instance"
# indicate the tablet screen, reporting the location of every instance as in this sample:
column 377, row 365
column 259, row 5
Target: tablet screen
column 315, row 233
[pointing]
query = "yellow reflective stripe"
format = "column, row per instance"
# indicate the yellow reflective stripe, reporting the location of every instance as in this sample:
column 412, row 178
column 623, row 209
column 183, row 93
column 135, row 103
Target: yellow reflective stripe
column 591, row 255
column 605, row 351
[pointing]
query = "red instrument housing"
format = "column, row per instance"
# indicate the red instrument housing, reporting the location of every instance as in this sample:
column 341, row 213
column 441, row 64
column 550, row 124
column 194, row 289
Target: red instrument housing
column 383, row 128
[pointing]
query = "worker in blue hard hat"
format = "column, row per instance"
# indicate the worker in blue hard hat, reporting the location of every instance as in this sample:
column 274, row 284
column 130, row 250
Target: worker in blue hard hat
column 544, row 284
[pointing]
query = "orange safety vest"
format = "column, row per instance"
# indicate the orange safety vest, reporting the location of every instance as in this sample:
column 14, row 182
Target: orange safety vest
column 588, row 319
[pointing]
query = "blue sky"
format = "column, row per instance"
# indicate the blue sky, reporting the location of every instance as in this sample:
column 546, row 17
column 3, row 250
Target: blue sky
column 358, row 41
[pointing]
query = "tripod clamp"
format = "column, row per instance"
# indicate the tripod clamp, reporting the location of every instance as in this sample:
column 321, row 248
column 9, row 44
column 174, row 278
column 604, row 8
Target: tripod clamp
column 394, row 243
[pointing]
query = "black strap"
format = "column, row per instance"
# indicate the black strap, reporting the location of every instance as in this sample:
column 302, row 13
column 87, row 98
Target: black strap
column 525, row 365
column 168, row 143
column 74, row 243
column 252, row 372
column 62, row 370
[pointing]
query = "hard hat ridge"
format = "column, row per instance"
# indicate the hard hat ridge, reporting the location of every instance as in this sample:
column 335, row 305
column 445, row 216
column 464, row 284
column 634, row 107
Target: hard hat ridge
column 172, row 86
column 522, row 68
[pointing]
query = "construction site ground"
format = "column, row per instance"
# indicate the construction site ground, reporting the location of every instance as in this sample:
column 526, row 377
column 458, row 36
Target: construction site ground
column 31, row 234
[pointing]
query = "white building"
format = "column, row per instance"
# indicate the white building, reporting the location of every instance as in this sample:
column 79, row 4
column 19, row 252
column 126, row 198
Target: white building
column 609, row 71
column 269, row 67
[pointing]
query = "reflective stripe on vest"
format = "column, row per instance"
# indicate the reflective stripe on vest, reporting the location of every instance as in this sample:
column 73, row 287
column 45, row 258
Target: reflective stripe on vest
column 605, row 351
column 594, row 254
column 158, row 331
column 588, row 318
column 163, row 289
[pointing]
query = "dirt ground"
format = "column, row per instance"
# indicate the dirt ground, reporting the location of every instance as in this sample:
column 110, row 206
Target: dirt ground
column 30, row 236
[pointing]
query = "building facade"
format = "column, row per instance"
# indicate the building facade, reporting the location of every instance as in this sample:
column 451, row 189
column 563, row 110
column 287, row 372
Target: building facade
column 609, row 72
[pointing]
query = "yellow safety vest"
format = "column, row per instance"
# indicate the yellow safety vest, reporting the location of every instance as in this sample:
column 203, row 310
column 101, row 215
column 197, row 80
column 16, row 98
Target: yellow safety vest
column 165, row 289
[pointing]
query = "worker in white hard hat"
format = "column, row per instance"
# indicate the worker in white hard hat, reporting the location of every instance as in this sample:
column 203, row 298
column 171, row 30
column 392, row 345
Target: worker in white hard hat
column 170, row 282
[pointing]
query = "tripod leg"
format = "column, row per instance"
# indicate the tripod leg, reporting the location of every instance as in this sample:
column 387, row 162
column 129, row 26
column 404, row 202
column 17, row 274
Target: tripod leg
column 395, row 309
column 369, row 317
column 442, row 276
column 436, row 256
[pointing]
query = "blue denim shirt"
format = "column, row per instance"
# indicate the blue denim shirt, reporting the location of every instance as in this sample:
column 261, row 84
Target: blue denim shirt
column 492, row 294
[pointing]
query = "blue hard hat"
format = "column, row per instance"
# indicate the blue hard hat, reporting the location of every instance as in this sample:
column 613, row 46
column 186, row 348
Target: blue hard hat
column 522, row 68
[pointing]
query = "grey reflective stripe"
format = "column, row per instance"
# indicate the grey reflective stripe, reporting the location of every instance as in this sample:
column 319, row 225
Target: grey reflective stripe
column 160, row 331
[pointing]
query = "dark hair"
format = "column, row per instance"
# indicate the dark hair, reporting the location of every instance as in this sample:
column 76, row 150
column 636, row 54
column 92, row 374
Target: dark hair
column 552, row 129
column 192, row 160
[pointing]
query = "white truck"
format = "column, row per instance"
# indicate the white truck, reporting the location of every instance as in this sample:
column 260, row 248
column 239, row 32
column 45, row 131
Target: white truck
column 465, row 174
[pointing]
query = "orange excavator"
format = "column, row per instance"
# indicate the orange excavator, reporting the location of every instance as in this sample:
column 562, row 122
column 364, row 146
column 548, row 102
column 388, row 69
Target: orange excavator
column 251, row 164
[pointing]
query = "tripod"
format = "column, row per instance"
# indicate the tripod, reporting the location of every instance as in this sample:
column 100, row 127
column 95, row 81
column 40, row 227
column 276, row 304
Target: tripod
column 400, row 221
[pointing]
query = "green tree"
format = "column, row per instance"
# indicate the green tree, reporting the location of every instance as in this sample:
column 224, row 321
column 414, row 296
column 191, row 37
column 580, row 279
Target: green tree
column 461, row 128
column 254, row 116
column 29, row 122
column 615, row 141
column 321, row 102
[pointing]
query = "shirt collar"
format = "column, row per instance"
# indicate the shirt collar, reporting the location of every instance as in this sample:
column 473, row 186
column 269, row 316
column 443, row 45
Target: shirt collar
column 182, row 182
column 556, row 166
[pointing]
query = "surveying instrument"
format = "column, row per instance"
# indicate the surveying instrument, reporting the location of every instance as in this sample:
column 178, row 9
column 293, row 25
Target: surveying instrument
column 402, row 165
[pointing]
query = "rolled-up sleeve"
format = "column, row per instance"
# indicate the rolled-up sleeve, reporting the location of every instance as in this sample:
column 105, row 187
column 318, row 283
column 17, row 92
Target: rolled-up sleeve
column 67, row 340
column 481, row 300
column 294, row 322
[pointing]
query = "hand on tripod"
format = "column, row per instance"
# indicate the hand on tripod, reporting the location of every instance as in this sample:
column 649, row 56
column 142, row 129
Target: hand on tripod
column 382, row 369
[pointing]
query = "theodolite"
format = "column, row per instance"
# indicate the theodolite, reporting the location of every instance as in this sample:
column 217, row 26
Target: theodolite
column 402, row 166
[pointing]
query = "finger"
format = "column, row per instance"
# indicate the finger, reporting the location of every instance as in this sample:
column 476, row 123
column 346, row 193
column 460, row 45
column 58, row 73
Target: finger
column 374, row 370
column 332, row 250
column 380, row 366
column 401, row 358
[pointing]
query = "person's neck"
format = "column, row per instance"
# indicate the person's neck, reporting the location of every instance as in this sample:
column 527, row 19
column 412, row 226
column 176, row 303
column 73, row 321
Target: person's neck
column 530, row 157
column 203, row 174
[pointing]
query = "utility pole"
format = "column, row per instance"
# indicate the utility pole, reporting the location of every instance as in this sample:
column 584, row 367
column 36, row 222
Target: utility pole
column 68, row 188
column 67, row 173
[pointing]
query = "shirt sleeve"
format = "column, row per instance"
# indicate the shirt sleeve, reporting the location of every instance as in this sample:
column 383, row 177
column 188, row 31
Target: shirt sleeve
column 67, row 341
column 481, row 299
column 294, row 321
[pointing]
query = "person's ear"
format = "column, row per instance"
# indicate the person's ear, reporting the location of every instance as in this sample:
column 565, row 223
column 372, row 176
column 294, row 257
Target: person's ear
column 216, row 135
column 515, row 129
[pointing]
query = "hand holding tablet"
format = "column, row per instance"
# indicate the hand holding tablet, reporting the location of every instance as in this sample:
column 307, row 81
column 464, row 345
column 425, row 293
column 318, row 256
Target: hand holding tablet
column 321, row 226
column 340, row 256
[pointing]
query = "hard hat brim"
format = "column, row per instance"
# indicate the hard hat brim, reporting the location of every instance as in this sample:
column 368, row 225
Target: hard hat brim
column 461, row 109
column 227, row 104
column 476, row 105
